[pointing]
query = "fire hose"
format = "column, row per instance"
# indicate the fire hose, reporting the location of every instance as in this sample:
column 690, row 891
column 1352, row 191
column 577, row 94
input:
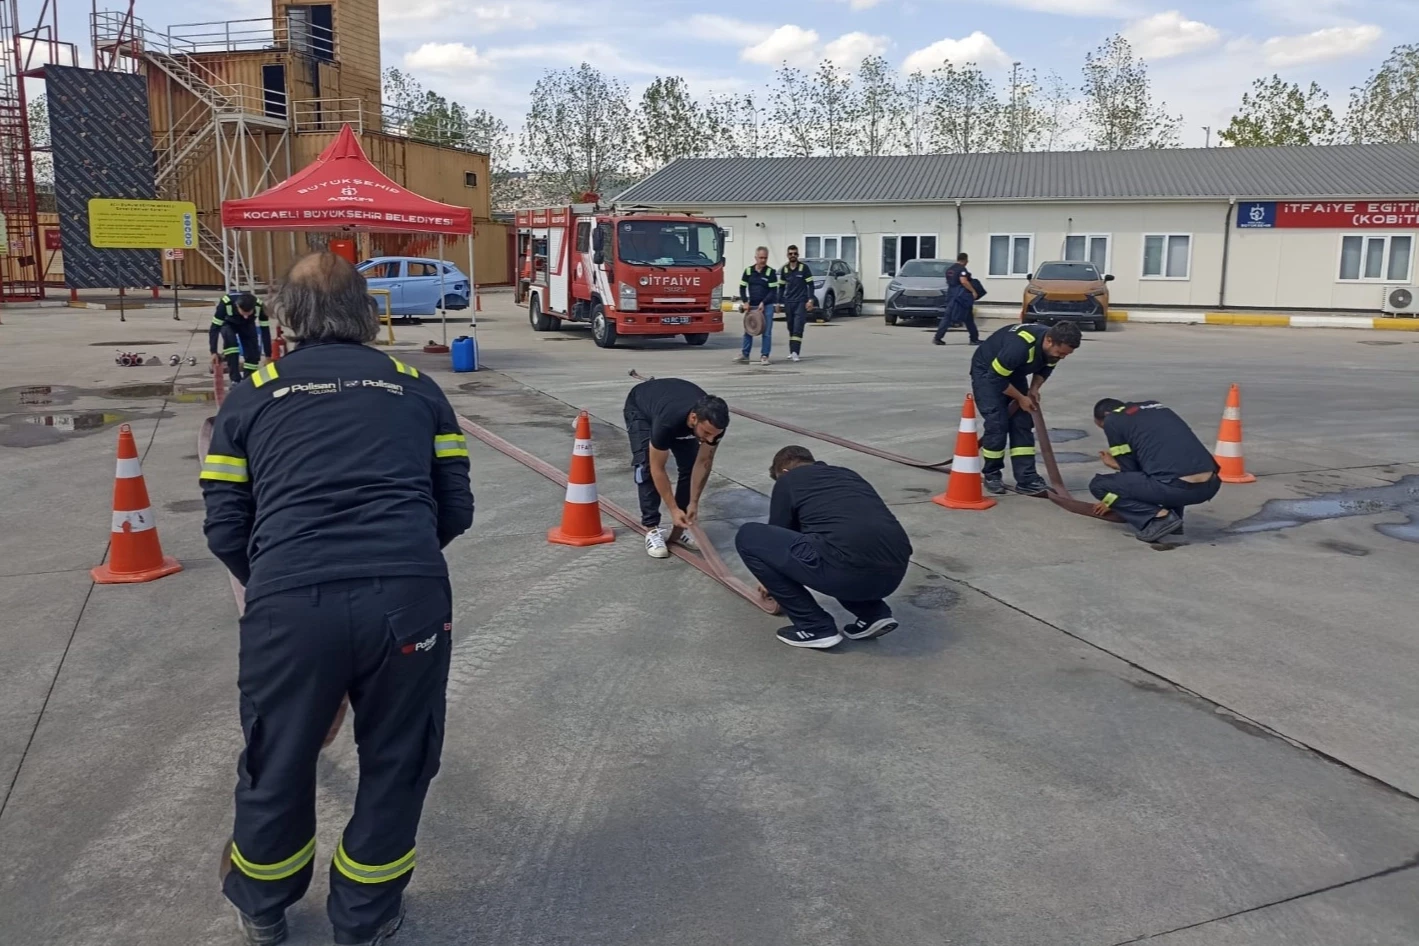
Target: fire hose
column 1059, row 493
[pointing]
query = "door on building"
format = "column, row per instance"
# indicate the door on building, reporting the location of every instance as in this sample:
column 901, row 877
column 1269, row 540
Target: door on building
column 273, row 90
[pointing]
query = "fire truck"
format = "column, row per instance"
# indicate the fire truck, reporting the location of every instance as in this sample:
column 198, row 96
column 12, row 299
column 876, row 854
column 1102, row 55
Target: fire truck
column 625, row 272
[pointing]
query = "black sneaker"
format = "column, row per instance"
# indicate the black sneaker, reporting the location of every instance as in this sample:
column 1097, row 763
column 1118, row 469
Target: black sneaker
column 818, row 639
column 975, row 341
column 390, row 927
column 994, row 483
column 1160, row 528
column 937, row 341
column 861, row 630
column 1033, row 486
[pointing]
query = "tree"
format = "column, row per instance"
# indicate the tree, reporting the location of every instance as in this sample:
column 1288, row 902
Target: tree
column 879, row 107
column 416, row 112
column 914, row 119
column 1277, row 113
column 574, row 130
column 1118, row 101
column 1023, row 118
column 1059, row 114
column 736, row 126
column 965, row 111
column 794, row 132
column 670, row 125
column 1386, row 108
column 832, row 108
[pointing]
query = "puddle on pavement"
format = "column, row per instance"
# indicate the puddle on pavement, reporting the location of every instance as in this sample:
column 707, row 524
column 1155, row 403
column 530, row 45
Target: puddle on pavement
column 150, row 389
column 1379, row 343
column 127, row 343
column 1066, row 434
column 1365, row 501
column 37, row 395
column 40, row 430
column 737, row 503
column 936, row 598
column 1069, row 456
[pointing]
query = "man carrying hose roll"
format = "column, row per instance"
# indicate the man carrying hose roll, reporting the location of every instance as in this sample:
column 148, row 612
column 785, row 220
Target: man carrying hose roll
column 665, row 416
column 1160, row 467
column 828, row 531
column 334, row 480
column 1007, row 372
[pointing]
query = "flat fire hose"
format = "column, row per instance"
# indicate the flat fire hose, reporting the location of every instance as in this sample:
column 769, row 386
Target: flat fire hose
column 1059, row 493
column 940, row 465
column 708, row 562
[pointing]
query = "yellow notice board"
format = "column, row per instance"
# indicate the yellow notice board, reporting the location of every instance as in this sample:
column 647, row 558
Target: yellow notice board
column 142, row 224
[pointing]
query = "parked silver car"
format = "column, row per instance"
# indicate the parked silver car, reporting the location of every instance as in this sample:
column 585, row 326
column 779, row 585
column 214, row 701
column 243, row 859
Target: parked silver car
column 836, row 288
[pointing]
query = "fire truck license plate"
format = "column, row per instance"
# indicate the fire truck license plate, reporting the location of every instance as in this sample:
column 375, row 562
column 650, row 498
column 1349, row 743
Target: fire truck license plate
column 675, row 320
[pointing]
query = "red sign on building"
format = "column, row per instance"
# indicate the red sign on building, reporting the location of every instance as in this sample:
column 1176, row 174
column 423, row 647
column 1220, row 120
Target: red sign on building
column 51, row 240
column 1348, row 215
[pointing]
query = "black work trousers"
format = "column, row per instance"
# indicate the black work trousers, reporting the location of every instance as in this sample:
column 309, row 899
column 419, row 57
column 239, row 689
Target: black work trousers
column 999, row 425
column 796, row 315
column 789, row 563
column 385, row 642
column 240, row 349
column 1138, row 497
column 959, row 308
column 685, row 452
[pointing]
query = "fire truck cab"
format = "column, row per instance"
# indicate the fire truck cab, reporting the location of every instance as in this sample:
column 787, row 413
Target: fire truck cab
column 625, row 272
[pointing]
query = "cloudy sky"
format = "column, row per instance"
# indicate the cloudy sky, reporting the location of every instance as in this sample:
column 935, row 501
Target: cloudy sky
column 1202, row 54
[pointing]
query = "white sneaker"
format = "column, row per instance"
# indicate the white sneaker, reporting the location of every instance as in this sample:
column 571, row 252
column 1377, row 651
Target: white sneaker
column 655, row 544
column 793, row 356
column 686, row 540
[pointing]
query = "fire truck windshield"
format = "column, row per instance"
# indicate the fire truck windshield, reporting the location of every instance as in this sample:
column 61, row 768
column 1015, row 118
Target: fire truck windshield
column 667, row 243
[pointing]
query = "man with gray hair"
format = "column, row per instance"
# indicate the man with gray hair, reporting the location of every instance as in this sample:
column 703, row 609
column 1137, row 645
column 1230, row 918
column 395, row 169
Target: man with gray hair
column 333, row 482
column 758, row 290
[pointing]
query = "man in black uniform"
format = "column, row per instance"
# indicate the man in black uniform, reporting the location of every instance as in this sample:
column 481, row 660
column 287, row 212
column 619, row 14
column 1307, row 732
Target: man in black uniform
column 240, row 324
column 961, row 298
column 333, row 482
column 999, row 369
column 758, row 289
column 795, row 295
column 1161, row 465
column 665, row 416
column 828, row 530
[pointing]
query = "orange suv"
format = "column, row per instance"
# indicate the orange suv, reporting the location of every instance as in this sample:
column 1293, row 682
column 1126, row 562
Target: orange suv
column 1067, row 291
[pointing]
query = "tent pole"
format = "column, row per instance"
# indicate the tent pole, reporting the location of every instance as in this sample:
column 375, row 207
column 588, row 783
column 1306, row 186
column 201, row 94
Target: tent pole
column 472, row 289
column 443, row 307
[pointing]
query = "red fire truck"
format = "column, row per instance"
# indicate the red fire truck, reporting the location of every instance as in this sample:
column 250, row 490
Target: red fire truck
column 626, row 272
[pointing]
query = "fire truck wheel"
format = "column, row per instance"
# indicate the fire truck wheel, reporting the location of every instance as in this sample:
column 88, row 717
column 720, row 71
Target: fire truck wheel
column 540, row 322
column 696, row 338
column 603, row 330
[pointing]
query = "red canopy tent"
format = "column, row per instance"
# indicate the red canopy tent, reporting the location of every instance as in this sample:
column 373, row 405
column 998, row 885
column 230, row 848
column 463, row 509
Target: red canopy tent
column 342, row 190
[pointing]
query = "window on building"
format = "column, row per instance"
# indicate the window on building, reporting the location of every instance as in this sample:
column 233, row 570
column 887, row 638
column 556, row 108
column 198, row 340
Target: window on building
column 470, row 178
column 902, row 248
column 1011, row 254
column 1088, row 248
column 1167, row 256
column 311, row 31
column 832, row 247
column 1376, row 258
column 728, row 234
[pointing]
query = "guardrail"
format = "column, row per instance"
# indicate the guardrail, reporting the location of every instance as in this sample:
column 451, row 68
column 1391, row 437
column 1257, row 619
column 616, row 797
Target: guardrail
column 314, row 116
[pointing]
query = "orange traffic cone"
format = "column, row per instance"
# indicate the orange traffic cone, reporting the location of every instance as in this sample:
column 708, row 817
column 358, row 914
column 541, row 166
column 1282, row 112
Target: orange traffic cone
column 1228, row 451
column 581, row 513
column 134, row 553
column 963, row 486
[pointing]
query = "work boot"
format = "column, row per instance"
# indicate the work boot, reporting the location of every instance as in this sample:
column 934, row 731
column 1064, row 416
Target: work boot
column 861, row 630
column 1160, row 527
column 1032, row 485
column 385, row 932
column 817, row 639
column 994, row 483
column 258, row 931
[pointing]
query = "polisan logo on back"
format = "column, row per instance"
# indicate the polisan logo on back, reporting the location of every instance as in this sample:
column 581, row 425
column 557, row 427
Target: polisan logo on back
column 314, row 387
column 424, row 644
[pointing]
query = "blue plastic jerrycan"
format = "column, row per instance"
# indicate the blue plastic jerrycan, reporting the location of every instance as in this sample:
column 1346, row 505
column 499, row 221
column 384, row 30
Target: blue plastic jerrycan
column 465, row 353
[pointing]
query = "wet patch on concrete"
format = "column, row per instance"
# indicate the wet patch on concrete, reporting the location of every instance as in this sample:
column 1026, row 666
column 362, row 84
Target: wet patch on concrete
column 1066, row 434
column 916, row 490
column 1402, row 497
column 1379, row 343
column 185, row 505
column 37, row 395
column 127, row 343
column 1151, row 686
column 737, row 503
column 145, row 389
column 935, row 598
column 41, row 430
column 1069, row 456
column 1243, row 725
column 1344, row 548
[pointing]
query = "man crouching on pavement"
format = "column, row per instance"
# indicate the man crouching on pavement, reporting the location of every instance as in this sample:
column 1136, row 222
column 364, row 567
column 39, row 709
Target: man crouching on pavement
column 665, row 416
column 828, row 530
column 1161, row 465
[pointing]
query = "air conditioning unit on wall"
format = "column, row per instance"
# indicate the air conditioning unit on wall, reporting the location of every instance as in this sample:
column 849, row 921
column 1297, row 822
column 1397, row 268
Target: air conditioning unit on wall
column 1401, row 300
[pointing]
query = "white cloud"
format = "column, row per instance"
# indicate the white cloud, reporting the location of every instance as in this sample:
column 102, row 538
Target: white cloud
column 1075, row 7
column 1337, row 42
column 428, row 19
column 1169, row 34
column 977, row 48
column 863, row 4
column 848, row 50
column 444, row 57
column 788, row 43
column 720, row 29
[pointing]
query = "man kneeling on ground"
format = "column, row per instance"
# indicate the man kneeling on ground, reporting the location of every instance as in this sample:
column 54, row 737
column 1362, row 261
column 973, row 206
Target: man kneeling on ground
column 665, row 416
column 828, row 530
column 1161, row 465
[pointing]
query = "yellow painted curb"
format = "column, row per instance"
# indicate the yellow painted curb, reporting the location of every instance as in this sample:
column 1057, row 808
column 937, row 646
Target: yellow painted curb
column 1225, row 318
column 1117, row 316
column 1397, row 325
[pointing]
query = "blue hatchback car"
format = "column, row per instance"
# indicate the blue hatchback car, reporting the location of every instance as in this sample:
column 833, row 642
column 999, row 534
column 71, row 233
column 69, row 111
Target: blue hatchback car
column 413, row 283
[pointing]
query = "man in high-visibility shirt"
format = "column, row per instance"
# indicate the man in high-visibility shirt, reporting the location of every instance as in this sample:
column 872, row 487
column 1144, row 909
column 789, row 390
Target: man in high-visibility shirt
column 1008, row 370
column 241, row 327
column 795, row 295
column 758, row 291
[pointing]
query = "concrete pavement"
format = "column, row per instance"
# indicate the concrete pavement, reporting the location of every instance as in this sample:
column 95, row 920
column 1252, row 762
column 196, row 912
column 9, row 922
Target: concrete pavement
column 1073, row 739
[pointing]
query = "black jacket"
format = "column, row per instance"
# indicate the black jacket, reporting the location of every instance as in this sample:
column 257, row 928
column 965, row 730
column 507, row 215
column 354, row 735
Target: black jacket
column 795, row 283
column 756, row 288
column 226, row 314
column 834, row 503
column 337, row 461
column 1150, row 438
column 1011, row 354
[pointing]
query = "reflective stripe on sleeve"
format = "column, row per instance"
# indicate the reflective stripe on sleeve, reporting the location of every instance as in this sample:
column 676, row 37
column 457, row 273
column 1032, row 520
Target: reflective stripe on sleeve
column 278, row 871
column 372, row 873
column 1120, row 450
column 402, row 368
column 225, row 469
column 1027, row 337
column 269, row 373
column 1000, row 369
column 1109, row 498
column 450, row 445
